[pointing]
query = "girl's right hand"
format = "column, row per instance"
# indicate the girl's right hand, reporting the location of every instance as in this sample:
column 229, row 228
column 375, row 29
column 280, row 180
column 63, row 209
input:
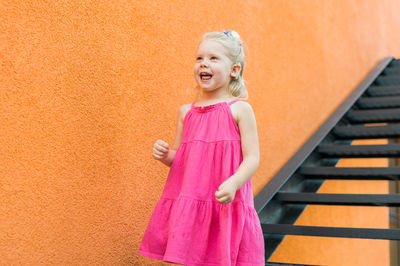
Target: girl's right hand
column 160, row 149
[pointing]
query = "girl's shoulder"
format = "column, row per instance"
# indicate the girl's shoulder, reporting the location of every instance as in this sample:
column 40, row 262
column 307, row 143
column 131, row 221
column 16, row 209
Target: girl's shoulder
column 239, row 110
column 242, row 110
column 241, row 105
column 183, row 109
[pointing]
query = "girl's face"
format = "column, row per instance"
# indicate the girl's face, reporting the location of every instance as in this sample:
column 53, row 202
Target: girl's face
column 213, row 68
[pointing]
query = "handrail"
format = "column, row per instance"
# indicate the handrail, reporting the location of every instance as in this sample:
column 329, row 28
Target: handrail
column 268, row 192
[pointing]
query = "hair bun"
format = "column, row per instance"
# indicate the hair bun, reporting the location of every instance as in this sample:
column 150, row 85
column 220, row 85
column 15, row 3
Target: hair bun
column 233, row 34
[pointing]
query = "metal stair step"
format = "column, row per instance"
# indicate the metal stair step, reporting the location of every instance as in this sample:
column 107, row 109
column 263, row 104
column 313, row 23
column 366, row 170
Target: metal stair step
column 392, row 200
column 387, row 80
column 379, row 102
column 346, row 232
column 383, row 90
column 391, row 71
column 394, row 62
column 359, row 151
column 285, row 264
column 375, row 115
column 367, row 132
column 350, row 173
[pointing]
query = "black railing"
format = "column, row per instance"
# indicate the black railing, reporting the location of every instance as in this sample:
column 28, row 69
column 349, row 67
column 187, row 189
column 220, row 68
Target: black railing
column 292, row 165
column 281, row 202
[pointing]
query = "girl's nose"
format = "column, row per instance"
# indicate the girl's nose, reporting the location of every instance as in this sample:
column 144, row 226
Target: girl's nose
column 204, row 63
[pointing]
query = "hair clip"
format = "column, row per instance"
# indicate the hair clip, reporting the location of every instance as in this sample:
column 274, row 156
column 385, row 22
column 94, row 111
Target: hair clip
column 227, row 32
column 240, row 43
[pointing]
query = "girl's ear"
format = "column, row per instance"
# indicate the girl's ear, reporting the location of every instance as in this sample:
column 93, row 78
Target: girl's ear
column 236, row 70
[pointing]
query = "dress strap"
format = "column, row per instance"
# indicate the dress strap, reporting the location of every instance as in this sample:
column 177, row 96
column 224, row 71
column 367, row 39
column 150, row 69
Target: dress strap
column 233, row 101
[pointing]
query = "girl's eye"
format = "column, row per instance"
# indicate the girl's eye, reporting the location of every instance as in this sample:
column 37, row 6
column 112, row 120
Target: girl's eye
column 214, row 58
column 198, row 58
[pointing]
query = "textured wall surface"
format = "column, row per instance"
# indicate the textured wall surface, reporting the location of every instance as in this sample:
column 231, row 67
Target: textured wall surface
column 87, row 87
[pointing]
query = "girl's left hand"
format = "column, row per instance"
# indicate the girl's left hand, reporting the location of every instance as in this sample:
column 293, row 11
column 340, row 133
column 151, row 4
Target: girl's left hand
column 226, row 192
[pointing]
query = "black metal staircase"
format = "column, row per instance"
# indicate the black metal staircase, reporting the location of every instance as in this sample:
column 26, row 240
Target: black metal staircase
column 281, row 202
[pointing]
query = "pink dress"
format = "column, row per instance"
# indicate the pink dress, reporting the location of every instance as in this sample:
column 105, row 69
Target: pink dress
column 188, row 225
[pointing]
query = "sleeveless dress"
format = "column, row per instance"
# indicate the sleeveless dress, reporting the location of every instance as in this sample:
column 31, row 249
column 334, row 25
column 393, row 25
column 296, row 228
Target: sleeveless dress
column 188, row 225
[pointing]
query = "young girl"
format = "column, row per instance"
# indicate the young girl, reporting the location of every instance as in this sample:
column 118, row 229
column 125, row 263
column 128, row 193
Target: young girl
column 206, row 213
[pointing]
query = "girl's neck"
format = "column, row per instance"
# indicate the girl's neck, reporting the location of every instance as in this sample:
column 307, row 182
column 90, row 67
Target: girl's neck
column 212, row 97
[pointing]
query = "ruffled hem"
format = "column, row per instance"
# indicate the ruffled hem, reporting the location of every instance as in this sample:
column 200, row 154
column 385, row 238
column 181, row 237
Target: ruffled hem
column 181, row 261
column 195, row 232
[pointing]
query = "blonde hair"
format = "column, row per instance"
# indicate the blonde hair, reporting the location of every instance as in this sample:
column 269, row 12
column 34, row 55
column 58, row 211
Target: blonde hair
column 231, row 41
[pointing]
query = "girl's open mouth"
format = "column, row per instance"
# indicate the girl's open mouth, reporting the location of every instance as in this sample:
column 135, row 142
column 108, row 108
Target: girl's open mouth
column 205, row 76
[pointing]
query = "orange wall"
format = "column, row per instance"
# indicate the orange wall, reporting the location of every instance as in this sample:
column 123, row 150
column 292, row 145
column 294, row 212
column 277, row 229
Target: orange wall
column 87, row 87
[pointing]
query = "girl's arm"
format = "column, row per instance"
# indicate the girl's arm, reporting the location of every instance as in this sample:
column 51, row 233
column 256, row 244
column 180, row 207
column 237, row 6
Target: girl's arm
column 178, row 138
column 170, row 157
column 250, row 146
